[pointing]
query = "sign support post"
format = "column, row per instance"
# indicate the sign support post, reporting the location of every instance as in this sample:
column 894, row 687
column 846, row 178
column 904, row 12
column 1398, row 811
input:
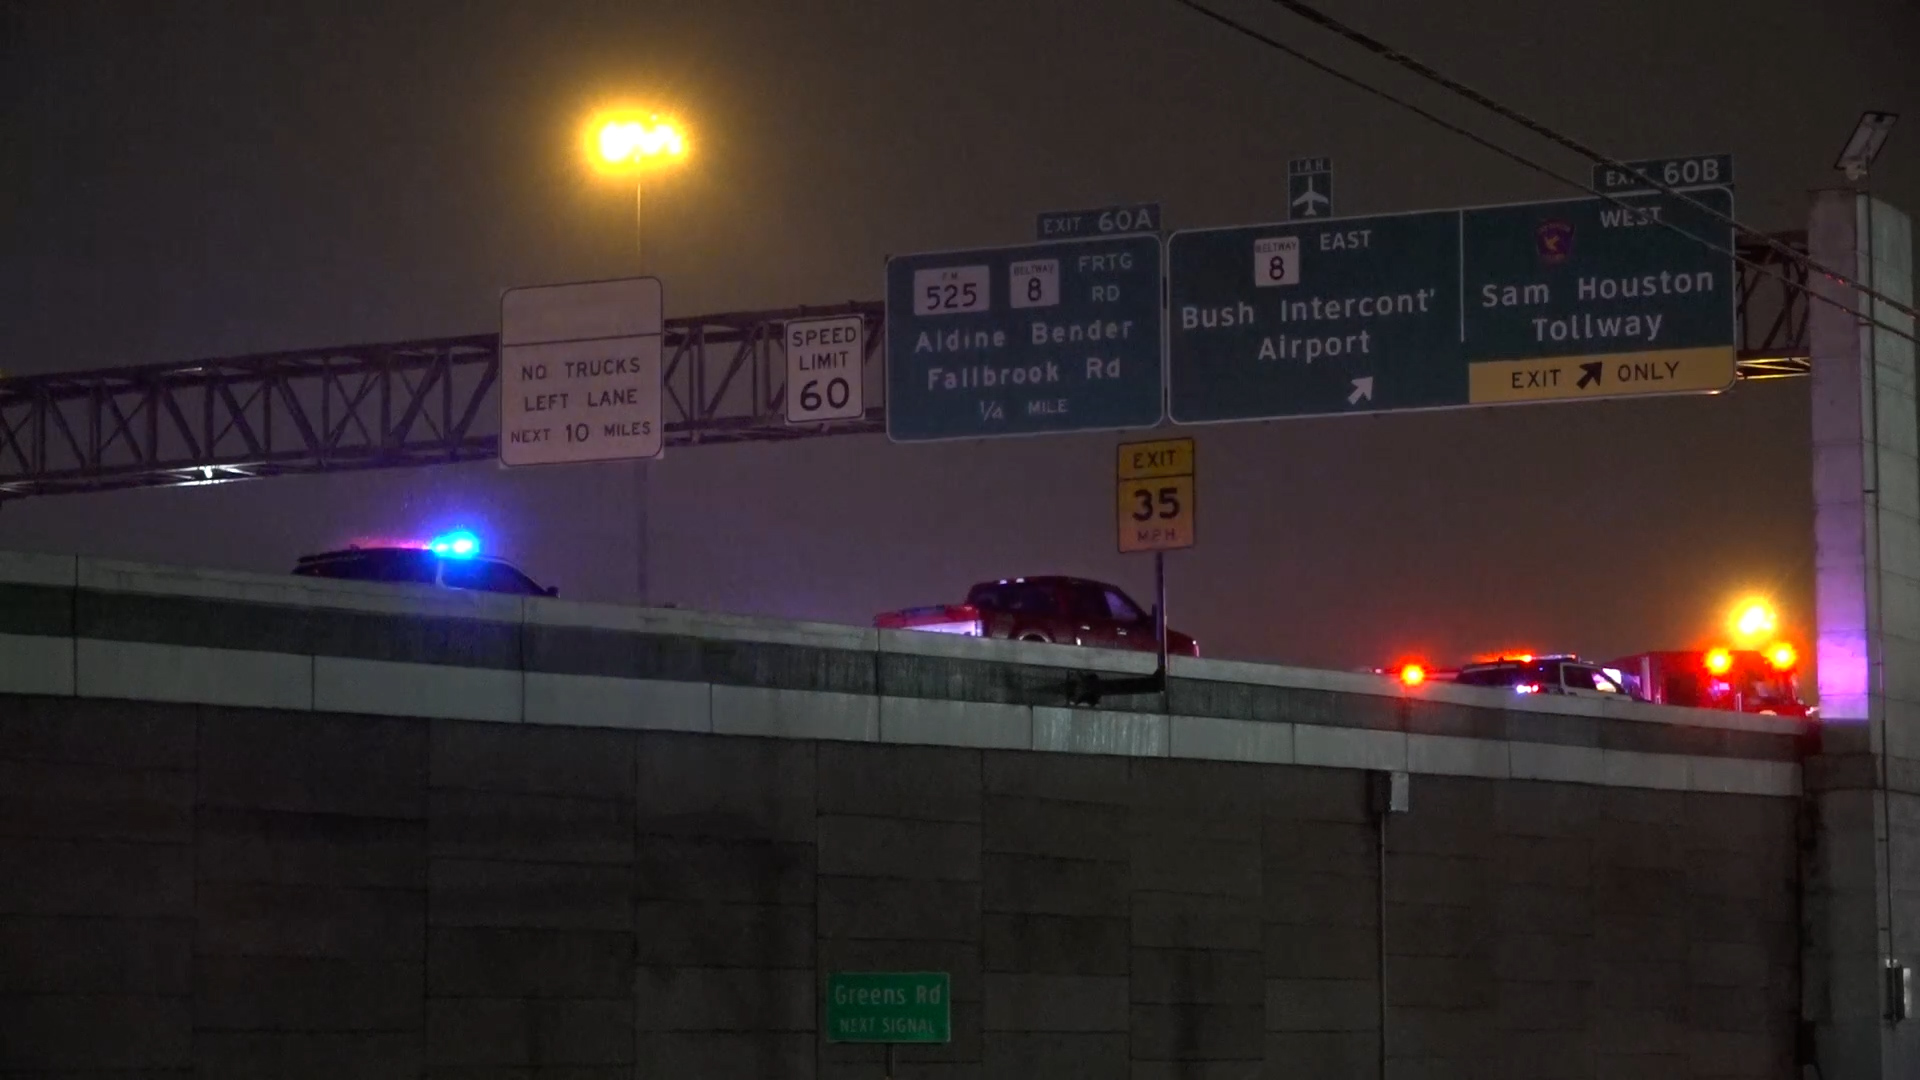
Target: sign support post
column 1155, row 496
column 1160, row 626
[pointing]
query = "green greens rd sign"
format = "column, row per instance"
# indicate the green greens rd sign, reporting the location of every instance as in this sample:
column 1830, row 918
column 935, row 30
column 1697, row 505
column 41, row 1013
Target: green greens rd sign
column 889, row 1007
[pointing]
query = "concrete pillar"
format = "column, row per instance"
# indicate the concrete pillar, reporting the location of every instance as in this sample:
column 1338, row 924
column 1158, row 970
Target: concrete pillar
column 1862, row 889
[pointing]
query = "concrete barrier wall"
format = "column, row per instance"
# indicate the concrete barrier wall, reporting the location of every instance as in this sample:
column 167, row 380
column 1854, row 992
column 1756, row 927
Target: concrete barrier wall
column 116, row 630
column 253, row 843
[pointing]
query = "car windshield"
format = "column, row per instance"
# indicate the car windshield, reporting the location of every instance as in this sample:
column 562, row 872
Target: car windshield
column 1763, row 688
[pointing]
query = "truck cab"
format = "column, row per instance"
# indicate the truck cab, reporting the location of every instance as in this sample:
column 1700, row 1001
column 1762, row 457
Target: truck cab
column 1059, row 610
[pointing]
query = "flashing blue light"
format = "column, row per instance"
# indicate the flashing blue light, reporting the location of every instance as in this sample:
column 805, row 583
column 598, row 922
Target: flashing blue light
column 455, row 545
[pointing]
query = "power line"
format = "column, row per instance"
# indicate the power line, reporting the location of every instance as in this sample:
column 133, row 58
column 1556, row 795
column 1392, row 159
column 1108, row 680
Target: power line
column 1392, row 55
column 1528, row 163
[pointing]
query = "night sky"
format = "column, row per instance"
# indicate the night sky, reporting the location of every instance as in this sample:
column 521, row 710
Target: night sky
column 217, row 178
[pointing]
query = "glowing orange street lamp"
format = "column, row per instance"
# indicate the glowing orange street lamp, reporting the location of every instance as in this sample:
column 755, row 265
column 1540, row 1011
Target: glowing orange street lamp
column 628, row 144
column 1753, row 619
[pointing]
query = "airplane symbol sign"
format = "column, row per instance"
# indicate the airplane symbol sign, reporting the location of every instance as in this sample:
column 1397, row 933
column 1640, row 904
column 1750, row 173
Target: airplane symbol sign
column 1310, row 188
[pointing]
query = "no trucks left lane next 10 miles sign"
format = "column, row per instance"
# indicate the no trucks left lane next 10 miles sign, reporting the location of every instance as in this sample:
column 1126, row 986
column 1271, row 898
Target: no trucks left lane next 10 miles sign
column 580, row 372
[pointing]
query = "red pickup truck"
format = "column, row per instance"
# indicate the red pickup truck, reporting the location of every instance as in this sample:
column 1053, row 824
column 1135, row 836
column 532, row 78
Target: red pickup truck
column 1061, row 610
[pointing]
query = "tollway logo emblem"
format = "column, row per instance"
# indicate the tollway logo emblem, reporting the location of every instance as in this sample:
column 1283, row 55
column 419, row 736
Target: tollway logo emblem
column 1554, row 241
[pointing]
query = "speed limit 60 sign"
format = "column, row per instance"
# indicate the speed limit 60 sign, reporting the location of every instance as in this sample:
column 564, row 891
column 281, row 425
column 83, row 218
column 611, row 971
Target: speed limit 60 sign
column 824, row 369
column 1156, row 492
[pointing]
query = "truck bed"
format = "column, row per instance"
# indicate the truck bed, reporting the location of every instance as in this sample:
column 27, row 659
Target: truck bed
column 961, row 619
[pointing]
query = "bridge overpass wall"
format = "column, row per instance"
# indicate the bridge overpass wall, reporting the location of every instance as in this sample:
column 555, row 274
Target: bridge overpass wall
column 261, row 826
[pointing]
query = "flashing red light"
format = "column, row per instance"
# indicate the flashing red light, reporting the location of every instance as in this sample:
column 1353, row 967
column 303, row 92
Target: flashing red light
column 1526, row 688
column 1413, row 675
column 1503, row 657
column 1718, row 661
column 1783, row 656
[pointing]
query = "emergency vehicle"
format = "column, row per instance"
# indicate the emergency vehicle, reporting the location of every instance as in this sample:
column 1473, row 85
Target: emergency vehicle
column 1560, row 673
column 1736, row 680
column 1749, row 680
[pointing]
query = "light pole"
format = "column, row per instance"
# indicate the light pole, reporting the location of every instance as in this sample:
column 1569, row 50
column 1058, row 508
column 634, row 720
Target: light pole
column 628, row 144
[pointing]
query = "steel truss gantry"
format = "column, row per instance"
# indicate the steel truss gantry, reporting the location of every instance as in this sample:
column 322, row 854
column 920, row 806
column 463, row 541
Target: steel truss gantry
column 434, row 402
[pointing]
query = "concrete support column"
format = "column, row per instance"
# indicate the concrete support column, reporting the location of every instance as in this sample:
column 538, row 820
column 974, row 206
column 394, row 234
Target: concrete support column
column 1863, row 888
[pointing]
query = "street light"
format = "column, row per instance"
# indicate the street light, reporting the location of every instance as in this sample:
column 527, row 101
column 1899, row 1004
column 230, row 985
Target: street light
column 1752, row 618
column 628, row 143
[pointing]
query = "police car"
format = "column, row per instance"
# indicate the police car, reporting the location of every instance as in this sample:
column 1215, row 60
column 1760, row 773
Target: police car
column 1561, row 674
column 449, row 562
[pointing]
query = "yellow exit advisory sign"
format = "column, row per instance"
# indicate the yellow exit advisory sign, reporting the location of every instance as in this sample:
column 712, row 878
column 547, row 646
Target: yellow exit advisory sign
column 1155, row 495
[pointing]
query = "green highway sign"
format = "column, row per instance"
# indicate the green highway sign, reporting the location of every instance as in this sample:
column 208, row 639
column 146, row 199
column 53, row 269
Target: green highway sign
column 889, row 1007
column 1569, row 300
column 1105, row 221
column 1674, row 172
column 1031, row 340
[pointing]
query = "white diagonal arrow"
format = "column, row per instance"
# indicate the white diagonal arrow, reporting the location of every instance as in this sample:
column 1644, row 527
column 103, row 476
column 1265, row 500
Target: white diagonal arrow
column 1362, row 388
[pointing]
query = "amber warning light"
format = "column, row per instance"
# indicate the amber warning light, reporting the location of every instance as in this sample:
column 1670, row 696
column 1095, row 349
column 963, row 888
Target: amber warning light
column 1783, row 656
column 1719, row 661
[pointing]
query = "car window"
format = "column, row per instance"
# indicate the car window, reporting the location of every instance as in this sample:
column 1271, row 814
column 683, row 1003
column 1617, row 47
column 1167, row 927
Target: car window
column 484, row 576
column 1683, row 688
column 1583, row 677
column 1016, row 599
column 988, row 597
column 1121, row 609
column 394, row 567
column 333, row 568
column 1504, row 675
column 1089, row 604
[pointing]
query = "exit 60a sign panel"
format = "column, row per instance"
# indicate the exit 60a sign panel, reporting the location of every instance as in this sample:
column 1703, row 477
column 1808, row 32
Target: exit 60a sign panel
column 1030, row 340
column 1568, row 300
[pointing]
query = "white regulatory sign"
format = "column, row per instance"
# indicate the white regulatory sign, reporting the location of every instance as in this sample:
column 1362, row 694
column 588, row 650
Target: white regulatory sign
column 952, row 290
column 1034, row 283
column 1276, row 261
column 580, row 372
column 824, row 369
